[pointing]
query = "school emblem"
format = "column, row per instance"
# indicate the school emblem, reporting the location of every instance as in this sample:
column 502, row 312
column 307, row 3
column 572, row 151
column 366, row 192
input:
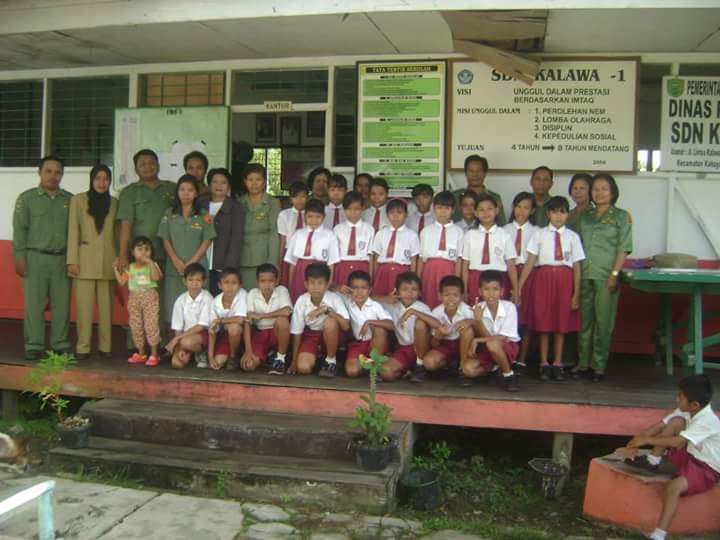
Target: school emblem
column 361, row 245
column 567, row 256
column 675, row 87
column 465, row 76
column 452, row 253
column 498, row 251
column 407, row 253
column 324, row 254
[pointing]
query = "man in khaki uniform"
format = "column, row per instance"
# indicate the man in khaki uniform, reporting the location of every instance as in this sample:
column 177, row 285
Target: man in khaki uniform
column 142, row 205
column 476, row 169
column 40, row 222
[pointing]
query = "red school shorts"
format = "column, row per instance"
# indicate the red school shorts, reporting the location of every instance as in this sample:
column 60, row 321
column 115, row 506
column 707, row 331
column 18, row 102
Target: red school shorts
column 700, row 476
column 312, row 341
column 405, row 355
column 486, row 360
column 263, row 341
column 356, row 348
column 449, row 348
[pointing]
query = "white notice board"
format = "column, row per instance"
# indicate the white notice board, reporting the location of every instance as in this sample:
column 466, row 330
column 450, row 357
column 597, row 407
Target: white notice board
column 690, row 132
column 579, row 115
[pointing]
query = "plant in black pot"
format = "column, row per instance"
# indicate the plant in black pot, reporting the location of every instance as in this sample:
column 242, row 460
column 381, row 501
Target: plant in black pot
column 374, row 451
column 45, row 379
column 420, row 487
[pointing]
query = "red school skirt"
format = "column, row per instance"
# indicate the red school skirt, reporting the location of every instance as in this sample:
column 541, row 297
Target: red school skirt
column 285, row 274
column 473, row 289
column 384, row 280
column 297, row 287
column 432, row 272
column 525, row 295
column 343, row 269
column 549, row 308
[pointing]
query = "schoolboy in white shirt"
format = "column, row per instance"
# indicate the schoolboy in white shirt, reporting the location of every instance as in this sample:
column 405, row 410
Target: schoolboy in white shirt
column 268, row 322
column 313, row 243
column 451, row 340
column 227, row 317
column 376, row 214
column 395, row 249
column 690, row 439
column 355, row 240
column 422, row 216
column 412, row 323
column 290, row 220
column 334, row 211
column 371, row 324
column 318, row 321
column 496, row 331
column 190, row 320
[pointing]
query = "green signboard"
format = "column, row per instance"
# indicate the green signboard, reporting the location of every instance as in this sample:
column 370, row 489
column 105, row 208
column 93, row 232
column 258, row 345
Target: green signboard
column 401, row 122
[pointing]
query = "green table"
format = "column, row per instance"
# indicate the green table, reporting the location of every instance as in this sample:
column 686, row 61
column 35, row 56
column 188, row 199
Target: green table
column 694, row 282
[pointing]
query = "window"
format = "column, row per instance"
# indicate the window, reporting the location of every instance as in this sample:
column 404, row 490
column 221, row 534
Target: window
column 650, row 104
column 82, row 118
column 271, row 159
column 299, row 86
column 177, row 89
column 345, row 117
column 20, row 123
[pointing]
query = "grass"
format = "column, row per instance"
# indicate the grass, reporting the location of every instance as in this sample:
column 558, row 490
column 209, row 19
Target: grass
column 120, row 477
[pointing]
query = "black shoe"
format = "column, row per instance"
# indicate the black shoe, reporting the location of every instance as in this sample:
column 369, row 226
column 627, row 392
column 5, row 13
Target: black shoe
column 641, row 462
column 233, row 364
column 82, row 356
column 465, row 382
column 545, row 373
column 278, row 367
column 598, row 377
column 107, row 355
column 557, row 373
column 581, row 373
column 418, row 375
column 510, row 383
column 328, row 369
column 518, row 368
column 32, row 355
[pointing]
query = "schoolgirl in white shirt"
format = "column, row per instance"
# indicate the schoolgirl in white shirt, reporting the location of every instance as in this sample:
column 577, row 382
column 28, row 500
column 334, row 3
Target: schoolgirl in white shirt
column 395, row 249
column 355, row 241
column 290, row 220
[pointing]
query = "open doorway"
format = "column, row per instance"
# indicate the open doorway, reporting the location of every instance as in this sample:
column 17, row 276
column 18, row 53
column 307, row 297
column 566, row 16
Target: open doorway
column 288, row 144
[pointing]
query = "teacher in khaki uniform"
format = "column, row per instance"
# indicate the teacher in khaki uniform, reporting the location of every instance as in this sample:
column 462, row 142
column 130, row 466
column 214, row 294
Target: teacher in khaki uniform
column 142, row 205
column 606, row 233
column 39, row 246
column 92, row 248
column 260, row 242
column 476, row 169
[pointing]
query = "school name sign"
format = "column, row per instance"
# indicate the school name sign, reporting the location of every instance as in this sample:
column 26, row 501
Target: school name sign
column 690, row 132
column 577, row 115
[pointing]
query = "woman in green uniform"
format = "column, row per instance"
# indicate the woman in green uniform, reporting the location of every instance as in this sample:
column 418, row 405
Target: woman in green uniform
column 260, row 243
column 91, row 250
column 606, row 233
column 186, row 232
column 579, row 191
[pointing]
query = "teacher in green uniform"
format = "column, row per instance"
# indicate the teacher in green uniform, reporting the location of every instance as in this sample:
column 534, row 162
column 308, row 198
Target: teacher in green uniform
column 260, row 242
column 141, row 207
column 476, row 168
column 606, row 233
column 92, row 248
column 40, row 223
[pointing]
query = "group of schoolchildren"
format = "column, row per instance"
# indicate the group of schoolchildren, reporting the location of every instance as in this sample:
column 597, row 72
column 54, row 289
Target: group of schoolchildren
column 359, row 275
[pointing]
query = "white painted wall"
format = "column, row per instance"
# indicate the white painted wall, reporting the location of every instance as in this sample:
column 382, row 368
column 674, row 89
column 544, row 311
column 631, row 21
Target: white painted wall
column 646, row 196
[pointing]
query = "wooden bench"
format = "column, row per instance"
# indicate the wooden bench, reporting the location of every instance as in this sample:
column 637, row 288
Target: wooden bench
column 623, row 496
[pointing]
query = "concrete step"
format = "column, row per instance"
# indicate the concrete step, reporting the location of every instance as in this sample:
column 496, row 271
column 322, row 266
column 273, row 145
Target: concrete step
column 325, row 483
column 626, row 497
column 250, row 432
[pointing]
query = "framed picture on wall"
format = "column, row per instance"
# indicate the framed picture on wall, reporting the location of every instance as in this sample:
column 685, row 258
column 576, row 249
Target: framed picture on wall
column 315, row 127
column 265, row 129
column 290, row 131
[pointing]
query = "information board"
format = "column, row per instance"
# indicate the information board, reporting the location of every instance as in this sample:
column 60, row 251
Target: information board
column 171, row 132
column 579, row 115
column 690, row 128
column 401, row 122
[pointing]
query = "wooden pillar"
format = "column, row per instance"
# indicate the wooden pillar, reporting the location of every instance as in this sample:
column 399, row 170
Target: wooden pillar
column 562, row 454
column 10, row 404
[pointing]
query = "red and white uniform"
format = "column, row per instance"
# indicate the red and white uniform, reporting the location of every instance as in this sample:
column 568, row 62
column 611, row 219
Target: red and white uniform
column 417, row 221
column 404, row 352
column 355, row 242
column 311, row 330
column 359, row 315
column 376, row 217
column 521, row 236
column 334, row 215
column 486, row 249
column 263, row 336
column 306, row 247
column 395, row 249
column 440, row 248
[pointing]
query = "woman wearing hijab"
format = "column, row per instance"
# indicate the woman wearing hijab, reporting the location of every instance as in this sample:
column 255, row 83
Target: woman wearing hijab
column 91, row 250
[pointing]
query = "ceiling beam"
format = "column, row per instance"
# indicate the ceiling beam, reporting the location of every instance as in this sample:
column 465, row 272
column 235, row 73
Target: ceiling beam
column 520, row 68
column 496, row 25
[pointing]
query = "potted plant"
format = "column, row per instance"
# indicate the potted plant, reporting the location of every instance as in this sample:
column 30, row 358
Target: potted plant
column 374, row 451
column 45, row 379
column 420, row 487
